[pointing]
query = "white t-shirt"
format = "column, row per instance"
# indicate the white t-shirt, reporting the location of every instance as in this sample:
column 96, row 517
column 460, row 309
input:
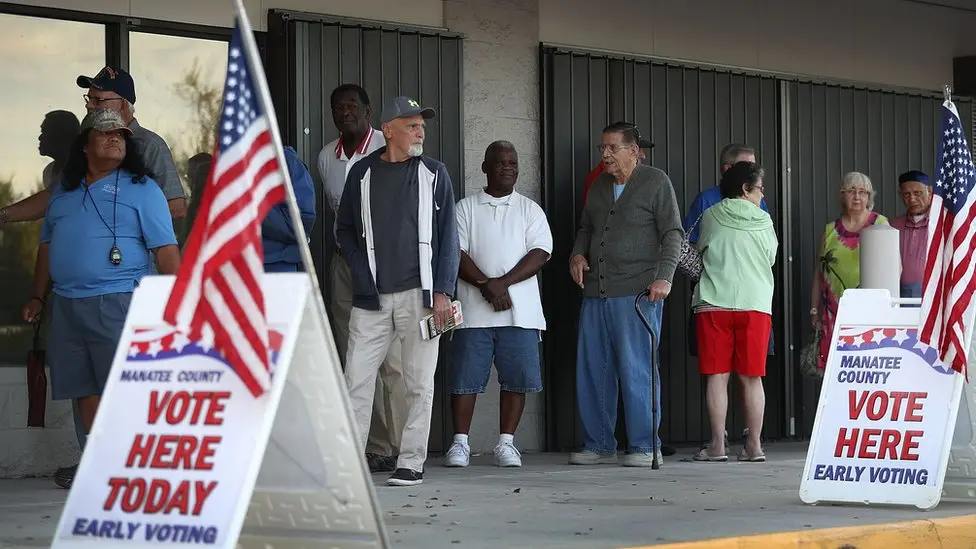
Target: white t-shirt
column 496, row 233
column 334, row 166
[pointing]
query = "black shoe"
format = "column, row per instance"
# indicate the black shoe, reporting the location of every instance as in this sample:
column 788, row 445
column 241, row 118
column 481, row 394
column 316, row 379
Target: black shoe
column 668, row 450
column 64, row 476
column 380, row 464
column 405, row 477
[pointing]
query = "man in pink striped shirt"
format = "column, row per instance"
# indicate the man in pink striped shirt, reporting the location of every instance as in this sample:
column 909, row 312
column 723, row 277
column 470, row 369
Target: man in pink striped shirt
column 913, row 228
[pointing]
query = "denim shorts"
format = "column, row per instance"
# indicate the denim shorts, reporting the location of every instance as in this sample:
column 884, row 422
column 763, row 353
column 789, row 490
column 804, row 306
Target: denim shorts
column 515, row 352
column 81, row 343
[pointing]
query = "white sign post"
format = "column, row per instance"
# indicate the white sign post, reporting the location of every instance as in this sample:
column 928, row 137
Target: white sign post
column 182, row 453
column 887, row 410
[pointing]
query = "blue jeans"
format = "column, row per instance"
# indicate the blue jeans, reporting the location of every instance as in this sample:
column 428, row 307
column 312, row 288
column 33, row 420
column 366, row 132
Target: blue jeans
column 614, row 348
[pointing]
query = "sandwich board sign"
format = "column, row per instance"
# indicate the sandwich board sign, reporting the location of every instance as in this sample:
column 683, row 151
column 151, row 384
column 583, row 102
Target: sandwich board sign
column 960, row 481
column 182, row 453
column 887, row 410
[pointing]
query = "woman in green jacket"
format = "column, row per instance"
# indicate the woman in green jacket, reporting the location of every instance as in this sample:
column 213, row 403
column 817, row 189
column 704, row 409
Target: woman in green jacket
column 733, row 305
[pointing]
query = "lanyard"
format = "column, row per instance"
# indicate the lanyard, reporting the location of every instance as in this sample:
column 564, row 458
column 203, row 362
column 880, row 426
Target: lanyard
column 114, row 254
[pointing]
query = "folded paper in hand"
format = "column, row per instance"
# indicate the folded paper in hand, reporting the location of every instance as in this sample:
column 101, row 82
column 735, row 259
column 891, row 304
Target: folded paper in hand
column 428, row 330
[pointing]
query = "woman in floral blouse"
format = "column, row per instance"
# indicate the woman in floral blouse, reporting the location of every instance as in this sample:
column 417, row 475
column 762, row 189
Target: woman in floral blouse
column 838, row 267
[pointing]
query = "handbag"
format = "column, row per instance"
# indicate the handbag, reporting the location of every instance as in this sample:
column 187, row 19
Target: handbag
column 690, row 259
column 810, row 353
column 36, row 382
column 810, row 357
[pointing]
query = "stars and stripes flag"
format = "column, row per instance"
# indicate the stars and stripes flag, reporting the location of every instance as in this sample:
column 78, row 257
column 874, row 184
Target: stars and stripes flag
column 217, row 295
column 947, row 300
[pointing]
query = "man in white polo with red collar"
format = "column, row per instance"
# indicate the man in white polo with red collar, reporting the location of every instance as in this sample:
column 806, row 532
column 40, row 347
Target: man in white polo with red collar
column 357, row 139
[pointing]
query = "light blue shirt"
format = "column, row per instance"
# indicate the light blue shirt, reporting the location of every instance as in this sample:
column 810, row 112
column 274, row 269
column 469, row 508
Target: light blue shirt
column 79, row 224
column 618, row 189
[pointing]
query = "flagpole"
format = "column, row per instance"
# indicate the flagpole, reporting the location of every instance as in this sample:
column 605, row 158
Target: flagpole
column 264, row 96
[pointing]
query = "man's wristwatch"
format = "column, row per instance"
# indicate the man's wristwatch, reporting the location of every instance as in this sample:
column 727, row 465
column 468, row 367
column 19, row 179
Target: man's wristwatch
column 813, row 311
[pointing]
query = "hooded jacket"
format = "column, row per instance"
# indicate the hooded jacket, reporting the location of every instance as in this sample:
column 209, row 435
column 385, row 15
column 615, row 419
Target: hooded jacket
column 738, row 246
column 437, row 238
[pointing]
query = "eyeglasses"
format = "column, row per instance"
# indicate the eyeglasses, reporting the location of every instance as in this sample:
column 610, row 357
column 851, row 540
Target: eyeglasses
column 614, row 149
column 99, row 100
column 856, row 192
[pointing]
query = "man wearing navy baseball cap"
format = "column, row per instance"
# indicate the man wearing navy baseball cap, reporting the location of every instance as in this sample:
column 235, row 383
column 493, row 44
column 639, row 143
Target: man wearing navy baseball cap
column 109, row 79
column 113, row 89
column 398, row 233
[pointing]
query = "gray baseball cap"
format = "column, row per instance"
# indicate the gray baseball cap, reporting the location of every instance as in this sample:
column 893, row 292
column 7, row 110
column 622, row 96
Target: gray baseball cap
column 104, row 120
column 401, row 106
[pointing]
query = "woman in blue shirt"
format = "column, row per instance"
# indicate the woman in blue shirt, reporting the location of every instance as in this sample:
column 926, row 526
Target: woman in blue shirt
column 101, row 225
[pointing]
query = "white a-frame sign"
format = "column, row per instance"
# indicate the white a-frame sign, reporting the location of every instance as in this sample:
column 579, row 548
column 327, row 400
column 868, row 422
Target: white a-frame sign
column 887, row 410
column 182, row 453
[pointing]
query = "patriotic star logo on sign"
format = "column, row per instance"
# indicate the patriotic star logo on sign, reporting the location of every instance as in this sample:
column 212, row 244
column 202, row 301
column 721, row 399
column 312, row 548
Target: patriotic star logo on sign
column 906, row 339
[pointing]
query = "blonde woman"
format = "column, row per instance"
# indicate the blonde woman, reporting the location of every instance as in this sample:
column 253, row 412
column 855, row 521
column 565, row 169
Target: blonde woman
column 838, row 267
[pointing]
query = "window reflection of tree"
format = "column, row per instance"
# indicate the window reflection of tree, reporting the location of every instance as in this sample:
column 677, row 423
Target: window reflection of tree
column 203, row 98
column 191, row 149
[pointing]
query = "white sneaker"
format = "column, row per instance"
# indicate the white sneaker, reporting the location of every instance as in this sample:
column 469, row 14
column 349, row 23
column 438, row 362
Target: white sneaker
column 641, row 459
column 507, row 455
column 459, row 455
column 588, row 457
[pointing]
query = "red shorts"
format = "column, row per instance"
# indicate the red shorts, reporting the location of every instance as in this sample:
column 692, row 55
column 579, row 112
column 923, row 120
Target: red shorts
column 732, row 341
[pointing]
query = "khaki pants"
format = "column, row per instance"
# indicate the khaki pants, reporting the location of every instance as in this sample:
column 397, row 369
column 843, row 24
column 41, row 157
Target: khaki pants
column 389, row 406
column 370, row 335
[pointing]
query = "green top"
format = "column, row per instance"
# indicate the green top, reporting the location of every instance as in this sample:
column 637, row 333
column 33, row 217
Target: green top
column 841, row 255
column 840, row 269
column 738, row 245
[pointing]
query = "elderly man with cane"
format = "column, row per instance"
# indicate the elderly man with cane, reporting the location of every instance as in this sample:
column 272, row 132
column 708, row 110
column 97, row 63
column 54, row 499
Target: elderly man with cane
column 628, row 243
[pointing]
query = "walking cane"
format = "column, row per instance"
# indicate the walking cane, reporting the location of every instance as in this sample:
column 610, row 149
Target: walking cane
column 640, row 314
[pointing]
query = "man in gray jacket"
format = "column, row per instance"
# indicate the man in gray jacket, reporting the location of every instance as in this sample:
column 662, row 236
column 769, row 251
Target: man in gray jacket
column 628, row 241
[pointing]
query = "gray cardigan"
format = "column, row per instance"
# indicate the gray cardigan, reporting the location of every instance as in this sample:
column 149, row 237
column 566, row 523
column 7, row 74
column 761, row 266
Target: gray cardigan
column 634, row 241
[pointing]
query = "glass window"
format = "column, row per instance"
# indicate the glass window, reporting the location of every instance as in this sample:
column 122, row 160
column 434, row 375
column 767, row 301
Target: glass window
column 179, row 82
column 40, row 60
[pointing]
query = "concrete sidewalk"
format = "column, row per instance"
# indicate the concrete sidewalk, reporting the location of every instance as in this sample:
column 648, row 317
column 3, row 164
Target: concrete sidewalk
column 548, row 503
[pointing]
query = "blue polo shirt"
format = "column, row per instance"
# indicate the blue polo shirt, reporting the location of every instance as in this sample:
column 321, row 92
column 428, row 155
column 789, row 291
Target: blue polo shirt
column 705, row 200
column 80, row 240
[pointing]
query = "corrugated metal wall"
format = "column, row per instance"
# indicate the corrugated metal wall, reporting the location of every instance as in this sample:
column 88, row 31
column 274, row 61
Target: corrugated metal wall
column 310, row 55
column 834, row 130
column 690, row 114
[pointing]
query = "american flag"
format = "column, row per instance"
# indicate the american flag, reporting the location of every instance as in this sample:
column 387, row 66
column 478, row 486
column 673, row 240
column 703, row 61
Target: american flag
column 217, row 295
column 947, row 304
